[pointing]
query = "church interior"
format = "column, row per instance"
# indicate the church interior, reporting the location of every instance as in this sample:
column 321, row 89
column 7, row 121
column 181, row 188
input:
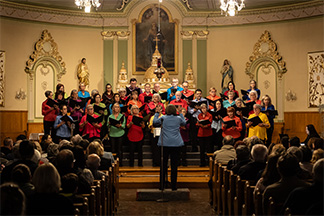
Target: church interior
column 277, row 43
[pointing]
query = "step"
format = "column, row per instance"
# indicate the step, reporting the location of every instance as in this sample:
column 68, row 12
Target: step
column 181, row 194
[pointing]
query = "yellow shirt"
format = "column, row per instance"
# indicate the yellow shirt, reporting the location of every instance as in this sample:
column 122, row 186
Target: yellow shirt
column 258, row 131
column 151, row 122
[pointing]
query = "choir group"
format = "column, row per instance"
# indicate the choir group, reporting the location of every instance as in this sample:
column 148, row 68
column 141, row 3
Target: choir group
column 127, row 116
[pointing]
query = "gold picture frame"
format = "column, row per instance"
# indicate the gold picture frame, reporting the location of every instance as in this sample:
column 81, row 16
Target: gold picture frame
column 144, row 42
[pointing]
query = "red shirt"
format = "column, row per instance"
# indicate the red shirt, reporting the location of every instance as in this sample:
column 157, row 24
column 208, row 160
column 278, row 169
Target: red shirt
column 89, row 128
column 141, row 97
column 151, row 106
column 229, row 131
column 135, row 132
column 49, row 115
column 181, row 102
column 205, row 132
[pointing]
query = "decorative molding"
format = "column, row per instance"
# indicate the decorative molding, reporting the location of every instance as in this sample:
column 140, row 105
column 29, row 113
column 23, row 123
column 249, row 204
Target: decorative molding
column 190, row 34
column 2, row 77
column 266, row 84
column 315, row 75
column 187, row 4
column 291, row 96
column 190, row 17
column 46, row 50
column 123, row 5
column 265, row 53
column 112, row 34
column 44, row 85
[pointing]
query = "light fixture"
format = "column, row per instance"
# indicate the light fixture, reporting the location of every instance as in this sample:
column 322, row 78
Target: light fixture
column 229, row 6
column 87, row 4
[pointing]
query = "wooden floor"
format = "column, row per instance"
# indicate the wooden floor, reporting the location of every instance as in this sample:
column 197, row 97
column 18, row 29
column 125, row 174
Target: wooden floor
column 148, row 177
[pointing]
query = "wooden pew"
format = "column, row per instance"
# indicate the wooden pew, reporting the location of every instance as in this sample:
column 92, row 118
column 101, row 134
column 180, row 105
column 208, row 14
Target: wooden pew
column 248, row 199
column 224, row 190
column 258, row 209
column 117, row 182
column 231, row 193
column 98, row 206
column 211, row 173
column 82, row 208
column 91, row 201
column 215, row 179
column 239, row 198
column 219, row 184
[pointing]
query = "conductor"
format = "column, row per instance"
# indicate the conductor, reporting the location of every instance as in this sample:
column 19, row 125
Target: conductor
column 170, row 140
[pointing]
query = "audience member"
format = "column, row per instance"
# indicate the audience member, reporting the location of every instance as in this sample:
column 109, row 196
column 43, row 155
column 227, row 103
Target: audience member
column 22, row 177
column 93, row 163
column 288, row 168
column 277, row 149
column 306, row 200
column 227, row 152
column 26, row 151
column 47, row 199
column 294, row 141
column 7, row 146
column 106, row 158
column 302, row 173
column 69, row 185
column 285, row 141
column 317, row 154
column 270, row 174
column 251, row 170
column 243, row 157
column 307, row 156
column 311, row 132
column 13, row 201
column 52, row 152
column 318, row 143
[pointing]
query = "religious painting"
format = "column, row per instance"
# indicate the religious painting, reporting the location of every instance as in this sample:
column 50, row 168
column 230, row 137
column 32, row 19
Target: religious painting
column 2, row 75
column 154, row 28
column 315, row 79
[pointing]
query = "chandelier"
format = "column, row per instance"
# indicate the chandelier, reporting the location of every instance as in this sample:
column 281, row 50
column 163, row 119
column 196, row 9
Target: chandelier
column 87, row 4
column 230, row 6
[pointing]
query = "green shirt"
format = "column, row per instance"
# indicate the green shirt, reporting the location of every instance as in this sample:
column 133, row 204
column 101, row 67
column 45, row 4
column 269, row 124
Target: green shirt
column 115, row 131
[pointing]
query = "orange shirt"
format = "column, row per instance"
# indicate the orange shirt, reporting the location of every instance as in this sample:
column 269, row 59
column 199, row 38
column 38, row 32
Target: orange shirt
column 235, row 133
column 205, row 132
column 137, row 103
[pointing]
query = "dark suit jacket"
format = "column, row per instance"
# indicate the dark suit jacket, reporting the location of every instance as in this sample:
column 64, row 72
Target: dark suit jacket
column 250, row 171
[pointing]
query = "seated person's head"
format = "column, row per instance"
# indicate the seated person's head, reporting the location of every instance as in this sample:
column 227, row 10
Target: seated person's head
column 65, row 159
column 93, row 162
column 21, row 174
column 278, row 149
column 239, row 143
column 171, row 110
column 242, row 153
column 46, row 179
column 307, row 153
column 76, row 139
column 296, row 152
column 288, row 165
column 12, row 200
column 69, row 183
column 95, row 148
column 294, row 141
column 259, row 153
column 318, row 169
column 8, row 142
column 317, row 154
column 64, row 144
column 285, row 141
column 228, row 140
column 26, row 149
column 52, row 150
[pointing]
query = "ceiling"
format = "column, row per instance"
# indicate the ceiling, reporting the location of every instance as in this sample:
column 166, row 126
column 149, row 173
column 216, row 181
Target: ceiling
column 196, row 5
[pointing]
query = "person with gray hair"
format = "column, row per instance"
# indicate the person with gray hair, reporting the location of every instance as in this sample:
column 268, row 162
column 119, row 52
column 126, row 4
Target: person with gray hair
column 93, row 163
column 174, row 88
column 251, row 171
column 227, row 152
column 178, row 101
column 260, row 129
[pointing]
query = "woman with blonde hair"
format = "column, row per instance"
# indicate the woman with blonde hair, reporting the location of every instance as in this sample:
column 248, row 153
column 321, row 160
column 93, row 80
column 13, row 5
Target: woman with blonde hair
column 47, row 199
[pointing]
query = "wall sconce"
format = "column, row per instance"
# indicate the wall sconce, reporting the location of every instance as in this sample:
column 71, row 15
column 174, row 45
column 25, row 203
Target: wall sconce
column 21, row 94
column 291, row 96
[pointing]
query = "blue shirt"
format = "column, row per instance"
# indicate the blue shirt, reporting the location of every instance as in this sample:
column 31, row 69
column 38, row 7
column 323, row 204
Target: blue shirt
column 86, row 94
column 169, row 92
column 64, row 130
column 227, row 104
column 246, row 97
column 170, row 132
column 270, row 117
